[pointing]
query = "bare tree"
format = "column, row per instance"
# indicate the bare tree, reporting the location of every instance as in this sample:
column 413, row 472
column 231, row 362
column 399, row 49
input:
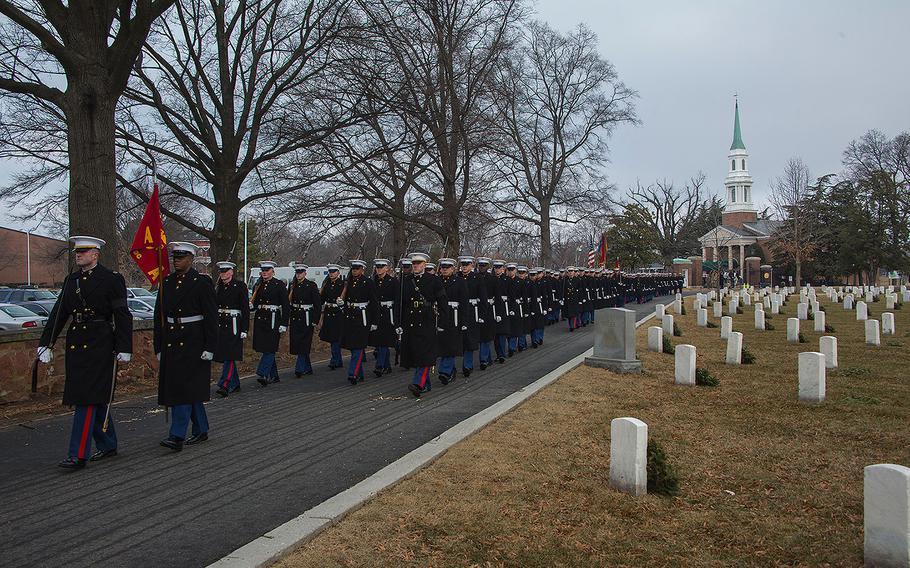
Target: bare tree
column 677, row 216
column 557, row 101
column 233, row 101
column 74, row 60
column 795, row 236
column 445, row 52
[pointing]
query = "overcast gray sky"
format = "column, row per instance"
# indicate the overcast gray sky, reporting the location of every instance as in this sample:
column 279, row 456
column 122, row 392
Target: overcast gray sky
column 811, row 77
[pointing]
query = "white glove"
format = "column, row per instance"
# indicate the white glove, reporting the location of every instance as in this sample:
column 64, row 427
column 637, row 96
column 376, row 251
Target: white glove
column 124, row 357
column 339, row 302
column 158, row 355
column 242, row 335
column 464, row 328
column 282, row 329
column 45, row 355
column 511, row 313
column 498, row 318
column 398, row 331
column 439, row 329
column 207, row 356
column 374, row 327
column 479, row 320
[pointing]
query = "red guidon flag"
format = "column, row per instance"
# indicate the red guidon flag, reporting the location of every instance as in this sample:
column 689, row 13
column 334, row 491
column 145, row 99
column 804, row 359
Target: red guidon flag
column 149, row 248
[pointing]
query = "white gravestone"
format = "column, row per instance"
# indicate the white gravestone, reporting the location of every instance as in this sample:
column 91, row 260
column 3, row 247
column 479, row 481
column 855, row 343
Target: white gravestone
column 659, row 311
column 793, row 330
column 685, row 365
column 735, row 348
column 827, row 344
column 667, row 324
column 747, row 300
column 820, row 321
column 873, row 337
column 629, row 455
column 702, row 315
column 889, row 302
column 718, row 309
column 726, row 326
column 759, row 320
column 802, row 311
column 614, row 341
column 886, row 515
column 732, row 307
column 862, row 313
column 655, row 339
column 906, row 295
column 848, row 302
column 775, row 307
column 888, row 324
column 811, row 377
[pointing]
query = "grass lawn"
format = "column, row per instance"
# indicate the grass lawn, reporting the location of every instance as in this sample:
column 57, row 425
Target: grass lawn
column 765, row 480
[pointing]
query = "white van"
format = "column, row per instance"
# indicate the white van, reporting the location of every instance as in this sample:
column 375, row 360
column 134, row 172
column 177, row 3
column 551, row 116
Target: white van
column 315, row 273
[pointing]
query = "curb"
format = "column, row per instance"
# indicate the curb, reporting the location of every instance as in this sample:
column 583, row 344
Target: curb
column 275, row 544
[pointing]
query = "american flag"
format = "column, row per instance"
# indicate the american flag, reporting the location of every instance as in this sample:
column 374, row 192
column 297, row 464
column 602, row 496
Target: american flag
column 592, row 252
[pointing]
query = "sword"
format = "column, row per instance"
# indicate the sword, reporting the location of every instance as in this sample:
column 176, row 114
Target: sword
column 363, row 312
column 306, row 314
column 234, row 323
column 110, row 400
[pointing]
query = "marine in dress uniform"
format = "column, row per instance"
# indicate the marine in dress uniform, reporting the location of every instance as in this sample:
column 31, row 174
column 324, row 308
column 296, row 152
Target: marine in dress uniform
column 359, row 312
column 540, row 305
column 271, row 309
column 525, row 309
column 305, row 307
column 424, row 307
column 387, row 289
column 431, row 268
column 404, row 269
column 476, row 299
column 504, row 306
column 488, row 311
column 332, row 320
column 516, row 311
column 572, row 301
column 186, row 333
column 100, row 331
column 450, row 337
column 233, row 302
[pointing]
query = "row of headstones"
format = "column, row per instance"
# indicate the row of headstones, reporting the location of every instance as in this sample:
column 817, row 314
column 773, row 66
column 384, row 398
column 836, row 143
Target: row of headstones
column 886, row 493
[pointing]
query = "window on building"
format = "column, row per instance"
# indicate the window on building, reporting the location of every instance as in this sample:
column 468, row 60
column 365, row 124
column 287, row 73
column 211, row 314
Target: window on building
column 744, row 164
column 746, row 189
column 733, row 194
column 733, row 165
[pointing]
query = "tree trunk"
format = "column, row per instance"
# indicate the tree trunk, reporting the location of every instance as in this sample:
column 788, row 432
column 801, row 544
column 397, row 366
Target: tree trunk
column 226, row 241
column 799, row 274
column 546, row 248
column 92, row 172
column 399, row 239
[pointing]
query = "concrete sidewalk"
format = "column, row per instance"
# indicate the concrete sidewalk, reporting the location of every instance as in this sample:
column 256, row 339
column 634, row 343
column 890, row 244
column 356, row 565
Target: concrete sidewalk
column 274, row 452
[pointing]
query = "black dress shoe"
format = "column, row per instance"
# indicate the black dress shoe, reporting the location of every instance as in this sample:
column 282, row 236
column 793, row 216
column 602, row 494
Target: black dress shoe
column 511, row 353
column 415, row 390
column 500, row 360
column 172, row 443
column 101, row 454
column 262, row 381
column 466, row 372
column 520, row 348
column 197, row 438
column 275, row 380
column 222, row 392
column 534, row 345
column 360, row 379
column 72, row 463
column 378, row 372
column 352, row 380
column 298, row 374
column 387, row 371
column 236, row 389
column 443, row 378
column 483, row 366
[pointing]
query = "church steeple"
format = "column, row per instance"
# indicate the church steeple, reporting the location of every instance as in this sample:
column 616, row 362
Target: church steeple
column 737, row 134
column 738, row 182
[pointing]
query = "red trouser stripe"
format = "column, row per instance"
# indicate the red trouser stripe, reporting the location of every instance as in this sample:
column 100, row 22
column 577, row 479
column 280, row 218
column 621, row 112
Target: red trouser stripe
column 357, row 366
column 230, row 375
column 86, row 428
column 423, row 377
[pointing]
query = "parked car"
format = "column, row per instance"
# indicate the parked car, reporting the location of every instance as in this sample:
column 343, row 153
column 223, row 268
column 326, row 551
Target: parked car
column 15, row 317
column 18, row 295
column 140, row 308
column 140, row 293
column 40, row 307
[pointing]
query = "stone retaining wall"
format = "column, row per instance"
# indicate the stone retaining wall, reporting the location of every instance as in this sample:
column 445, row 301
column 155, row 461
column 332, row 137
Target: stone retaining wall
column 17, row 353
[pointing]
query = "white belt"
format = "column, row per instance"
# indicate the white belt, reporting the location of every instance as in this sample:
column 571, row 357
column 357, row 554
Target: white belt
column 491, row 301
column 234, row 314
column 474, row 301
column 455, row 306
column 306, row 311
column 185, row 319
column 362, row 306
column 272, row 308
column 388, row 304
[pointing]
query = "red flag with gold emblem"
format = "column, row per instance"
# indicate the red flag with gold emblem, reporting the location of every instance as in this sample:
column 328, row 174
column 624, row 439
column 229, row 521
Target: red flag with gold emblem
column 149, row 248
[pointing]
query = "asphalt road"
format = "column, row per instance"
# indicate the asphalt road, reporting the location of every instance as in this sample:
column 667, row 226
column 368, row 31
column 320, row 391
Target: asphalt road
column 273, row 453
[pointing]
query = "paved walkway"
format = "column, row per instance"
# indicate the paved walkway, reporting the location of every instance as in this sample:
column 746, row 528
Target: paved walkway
column 273, row 453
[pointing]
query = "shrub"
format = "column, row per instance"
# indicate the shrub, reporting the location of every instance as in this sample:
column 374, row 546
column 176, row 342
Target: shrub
column 748, row 357
column 704, row 378
column 821, row 308
column 811, row 316
column 662, row 477
column 739, row 309
column 682, row 309
column 668, row 345
column 712, row 325
column 829, row 328
column 676, row 331
column 769, row 326
column 802, row 338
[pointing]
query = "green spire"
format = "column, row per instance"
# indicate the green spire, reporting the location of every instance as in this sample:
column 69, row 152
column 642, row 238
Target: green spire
column 737, row 135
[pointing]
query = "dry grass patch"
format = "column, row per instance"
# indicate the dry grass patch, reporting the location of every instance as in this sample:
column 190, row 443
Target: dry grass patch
column 764, row 480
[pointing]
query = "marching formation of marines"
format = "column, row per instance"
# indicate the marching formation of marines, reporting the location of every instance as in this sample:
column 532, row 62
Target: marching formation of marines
column 479, row 310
